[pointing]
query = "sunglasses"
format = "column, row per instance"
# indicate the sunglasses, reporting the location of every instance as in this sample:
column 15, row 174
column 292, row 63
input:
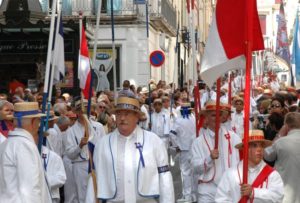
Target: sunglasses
column 102, row 107
column 276, row 106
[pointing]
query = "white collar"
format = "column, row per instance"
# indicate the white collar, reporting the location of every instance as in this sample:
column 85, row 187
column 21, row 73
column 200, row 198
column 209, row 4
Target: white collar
column 257, row 167
column 21, row 132
column 129, row 137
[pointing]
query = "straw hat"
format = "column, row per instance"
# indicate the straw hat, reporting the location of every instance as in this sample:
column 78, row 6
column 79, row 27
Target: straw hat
column 26, row 110
column 186, row 105
column 268, row 92
column 128, row 104
column 256, row 136
column 144, row 90
column 237, row 98
column 78, row 103
column 212, row 106
column 52, row 116
column 157, row 101
column 259, row 89
column 225, row 107
column 209, row 106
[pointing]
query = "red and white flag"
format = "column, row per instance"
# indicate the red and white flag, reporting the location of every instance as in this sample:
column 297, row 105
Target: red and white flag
column 84, row 70
column 225, row 48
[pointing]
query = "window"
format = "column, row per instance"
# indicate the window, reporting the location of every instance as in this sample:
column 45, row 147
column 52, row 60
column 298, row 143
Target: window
column 262, row 20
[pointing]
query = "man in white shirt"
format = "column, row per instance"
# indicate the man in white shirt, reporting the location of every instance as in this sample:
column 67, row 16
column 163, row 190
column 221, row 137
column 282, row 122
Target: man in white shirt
column 237, row 118
column 182, row 135
column 210, row 163
column 22, row 176
column 131, row 164
column 264, row 183
column 160, row 122
column 82, row 132
column 55, row 172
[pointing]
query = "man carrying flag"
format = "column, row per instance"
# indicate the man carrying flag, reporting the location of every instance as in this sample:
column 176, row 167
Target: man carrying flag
column 235, row 32
column 82, row 132
column 265, row 184
column 208, row 163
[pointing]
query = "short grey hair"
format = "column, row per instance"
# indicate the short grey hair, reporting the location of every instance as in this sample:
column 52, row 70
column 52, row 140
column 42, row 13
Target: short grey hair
column 4, row 103
column 60, row 108
column 63, row 120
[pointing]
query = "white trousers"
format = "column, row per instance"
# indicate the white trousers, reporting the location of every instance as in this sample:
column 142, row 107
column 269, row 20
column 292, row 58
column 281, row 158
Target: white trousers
column 70, row 191
column 207, row 192
column 80, row 172
column 186, row 174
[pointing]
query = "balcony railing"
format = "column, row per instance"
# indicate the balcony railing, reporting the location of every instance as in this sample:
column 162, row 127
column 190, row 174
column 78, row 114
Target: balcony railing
column 89, row 7
column 163, row 15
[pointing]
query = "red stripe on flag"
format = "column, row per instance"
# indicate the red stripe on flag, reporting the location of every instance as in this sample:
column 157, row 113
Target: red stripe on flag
column 84, row 48
column 86, row 89
column 230, row 18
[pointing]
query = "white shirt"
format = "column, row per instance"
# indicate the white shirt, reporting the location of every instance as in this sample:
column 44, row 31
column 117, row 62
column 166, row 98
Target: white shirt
column 54, row 170
column 160, row 123
column 229, row 187
column 2, row 138
column 183, row 132
column 121, row 176
column 144, row 124
column 74, row 135
column 54, row 140
column 207, row 169
column 237, row 123
column 22, row 176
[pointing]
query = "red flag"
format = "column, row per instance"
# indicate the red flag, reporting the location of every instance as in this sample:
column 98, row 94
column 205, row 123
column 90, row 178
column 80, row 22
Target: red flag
column 84, row 70
column 225, row 48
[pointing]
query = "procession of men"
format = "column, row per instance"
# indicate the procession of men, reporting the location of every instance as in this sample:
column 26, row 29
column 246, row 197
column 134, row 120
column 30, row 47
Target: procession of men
column 112, row 156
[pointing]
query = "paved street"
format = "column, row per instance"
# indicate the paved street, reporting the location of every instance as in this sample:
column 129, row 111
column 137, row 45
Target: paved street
column 176, row 177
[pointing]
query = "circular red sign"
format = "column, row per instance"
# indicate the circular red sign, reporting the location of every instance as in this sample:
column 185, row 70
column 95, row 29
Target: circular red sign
column 157, row 58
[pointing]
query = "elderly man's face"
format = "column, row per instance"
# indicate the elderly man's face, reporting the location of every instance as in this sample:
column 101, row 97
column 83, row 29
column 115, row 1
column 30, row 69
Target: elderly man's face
column 126, row 121
column 5, row 111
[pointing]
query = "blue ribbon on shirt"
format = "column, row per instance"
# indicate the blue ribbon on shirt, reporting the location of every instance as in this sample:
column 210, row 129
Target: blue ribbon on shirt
column 140, row 147
column 185, row 112
column 20, row 114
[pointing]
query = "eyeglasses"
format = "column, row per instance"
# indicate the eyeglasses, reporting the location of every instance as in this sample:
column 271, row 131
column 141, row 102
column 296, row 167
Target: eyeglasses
column 102, row 107
column 275, row 106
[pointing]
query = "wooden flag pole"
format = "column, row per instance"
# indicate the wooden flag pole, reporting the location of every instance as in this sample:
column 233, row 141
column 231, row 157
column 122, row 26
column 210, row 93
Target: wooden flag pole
column 217, row 113
column 248, row 53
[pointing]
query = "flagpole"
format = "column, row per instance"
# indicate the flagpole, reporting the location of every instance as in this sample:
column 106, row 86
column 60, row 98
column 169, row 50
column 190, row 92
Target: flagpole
column 217, row 127
column 46, row 83
column 150, row 71
column 53, row 67
column 94, row 58
column 175, row 65
column 248, row 50
column 113, row 48
column 193, row 39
